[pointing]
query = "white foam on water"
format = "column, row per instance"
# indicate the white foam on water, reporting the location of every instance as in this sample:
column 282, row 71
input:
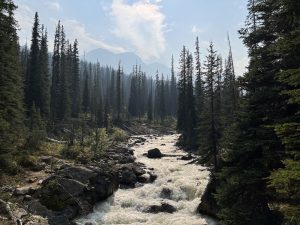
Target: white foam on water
column 186, row 182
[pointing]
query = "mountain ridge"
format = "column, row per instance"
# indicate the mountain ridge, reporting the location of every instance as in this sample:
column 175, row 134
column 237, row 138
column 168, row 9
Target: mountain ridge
column 127, row 59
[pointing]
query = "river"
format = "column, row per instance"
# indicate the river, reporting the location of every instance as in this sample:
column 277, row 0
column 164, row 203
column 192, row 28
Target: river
column 185, row 182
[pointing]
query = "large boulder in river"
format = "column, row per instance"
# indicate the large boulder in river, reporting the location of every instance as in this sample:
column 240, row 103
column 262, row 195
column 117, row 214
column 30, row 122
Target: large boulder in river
column 131, row 173
column 208, row 205
column 128, row 178
column 154, row 153
column 73, row 191
column 163, row 207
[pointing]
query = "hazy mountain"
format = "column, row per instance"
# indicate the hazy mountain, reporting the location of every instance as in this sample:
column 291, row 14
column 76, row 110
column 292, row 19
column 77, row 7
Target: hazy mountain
column 128, row 60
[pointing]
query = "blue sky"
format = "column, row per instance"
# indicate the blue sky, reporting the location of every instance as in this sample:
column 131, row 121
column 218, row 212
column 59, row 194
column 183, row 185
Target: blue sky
column 153, row 29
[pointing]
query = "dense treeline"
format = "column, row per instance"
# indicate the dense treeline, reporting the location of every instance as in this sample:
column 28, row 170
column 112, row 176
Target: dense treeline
column 43, row 93
column 248, row 129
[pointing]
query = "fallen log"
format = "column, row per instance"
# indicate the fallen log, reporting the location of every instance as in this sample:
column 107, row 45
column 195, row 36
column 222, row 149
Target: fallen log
column 56, row 141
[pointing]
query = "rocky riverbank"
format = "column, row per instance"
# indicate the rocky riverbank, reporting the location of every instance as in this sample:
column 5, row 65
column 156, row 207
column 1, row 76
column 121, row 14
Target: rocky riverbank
column 61, row 190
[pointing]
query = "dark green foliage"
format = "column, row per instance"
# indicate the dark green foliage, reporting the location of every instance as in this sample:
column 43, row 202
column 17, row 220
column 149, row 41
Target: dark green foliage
column 133, row 99
column 11, row 86
column 173, row 91
column 56, row 77
column 34, row 79
column 44, row 77
column 150, row 105
column 86, row 91
column 186, row 114
column 209, row 125
column 256, row 148
column 181, row 108
column 75, row 82
column 119, row 93
column 199, row 84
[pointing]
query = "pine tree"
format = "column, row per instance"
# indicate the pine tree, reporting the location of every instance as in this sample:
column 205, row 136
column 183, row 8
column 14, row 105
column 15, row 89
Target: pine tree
column 11, row 88
column 86, row 92
column 199, row 95
column 75, row 82
column 286, row 181
column 34, row 80
column 150, row 104
column 208, row 128
column 44, row 77
column 156, row 97
column 191, row 120
column 64, row 106
column 162, row 103
column 56, row 75
column 255, row 149
column 173, row 90
column 182, row 86
column 119, row 94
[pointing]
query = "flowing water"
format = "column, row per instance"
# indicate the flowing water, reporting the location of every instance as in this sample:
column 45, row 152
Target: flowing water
column 186, row 182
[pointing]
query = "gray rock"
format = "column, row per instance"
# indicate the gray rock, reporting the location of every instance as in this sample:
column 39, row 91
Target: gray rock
column 166, row 193
column 78, row 173
column 47, row 159
column 153, row 177
column 187, row 157
column 128, row 177
column 4, row 210
column 145, row 178
column 163, row 207
column 19, row 212
column 154, row 153
column 24, row 191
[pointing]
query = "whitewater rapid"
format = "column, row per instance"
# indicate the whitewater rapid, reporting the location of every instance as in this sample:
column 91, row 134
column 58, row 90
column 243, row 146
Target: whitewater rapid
column 186, row 182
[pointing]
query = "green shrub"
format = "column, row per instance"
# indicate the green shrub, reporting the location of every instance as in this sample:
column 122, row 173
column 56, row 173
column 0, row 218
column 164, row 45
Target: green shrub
column 101, row 142
column 9, row 165
column 71, row 152
column 27, row 161
column 119, row 135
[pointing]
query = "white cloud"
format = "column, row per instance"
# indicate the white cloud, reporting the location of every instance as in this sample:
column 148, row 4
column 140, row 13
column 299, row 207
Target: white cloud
column 55, row 6
column 24, row 16
column 87, row 42
column 196, row 30
column 142, row 24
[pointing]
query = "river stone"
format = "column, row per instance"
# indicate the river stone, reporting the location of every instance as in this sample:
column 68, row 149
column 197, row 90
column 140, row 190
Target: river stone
column 128, row 177
column 24, row 191
column 166, row 193
column 164, row 207
column 208, row 205
column 145, row 178
column 187, row 157
column 154, row 153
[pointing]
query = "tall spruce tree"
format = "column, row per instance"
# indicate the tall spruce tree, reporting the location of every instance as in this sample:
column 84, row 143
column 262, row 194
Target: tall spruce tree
column 286, row 181
column 11, row 86
column 255, row 150
column 191, row 120
column 86, row 92
column 56, row 75
column 44, row 77
column 119, row 93
column 208, row 133
column 173, row 90
column 199, row 95
column 34, row 79
column 182, row 87
column 75, row 82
